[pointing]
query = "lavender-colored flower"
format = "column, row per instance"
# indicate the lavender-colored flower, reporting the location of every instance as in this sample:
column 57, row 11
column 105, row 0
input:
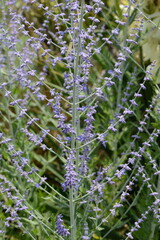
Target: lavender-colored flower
column 129, row 235
column 60, row 229
column 71, row 177
column 85, row 235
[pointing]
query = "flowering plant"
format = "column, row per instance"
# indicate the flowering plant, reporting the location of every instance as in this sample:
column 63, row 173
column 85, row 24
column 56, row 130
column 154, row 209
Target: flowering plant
column 80, row 122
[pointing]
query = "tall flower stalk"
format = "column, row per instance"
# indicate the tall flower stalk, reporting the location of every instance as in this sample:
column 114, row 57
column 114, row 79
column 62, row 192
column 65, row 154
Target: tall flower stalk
column 75, row 114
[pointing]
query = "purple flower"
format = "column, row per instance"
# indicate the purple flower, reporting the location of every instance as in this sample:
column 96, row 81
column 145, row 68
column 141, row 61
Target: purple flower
column 85, row 236
column 71, row 177
column 115, row 31
column 129, row 235
column 60, row 229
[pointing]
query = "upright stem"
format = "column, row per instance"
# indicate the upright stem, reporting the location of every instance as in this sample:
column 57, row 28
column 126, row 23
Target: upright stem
column 72, row 214
column 75, row 121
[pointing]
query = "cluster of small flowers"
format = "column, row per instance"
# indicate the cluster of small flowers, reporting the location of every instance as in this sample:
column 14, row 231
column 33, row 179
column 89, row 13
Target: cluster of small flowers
column 61, row 230
column 139, row 221
column 13, row 210
column 71, row 176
